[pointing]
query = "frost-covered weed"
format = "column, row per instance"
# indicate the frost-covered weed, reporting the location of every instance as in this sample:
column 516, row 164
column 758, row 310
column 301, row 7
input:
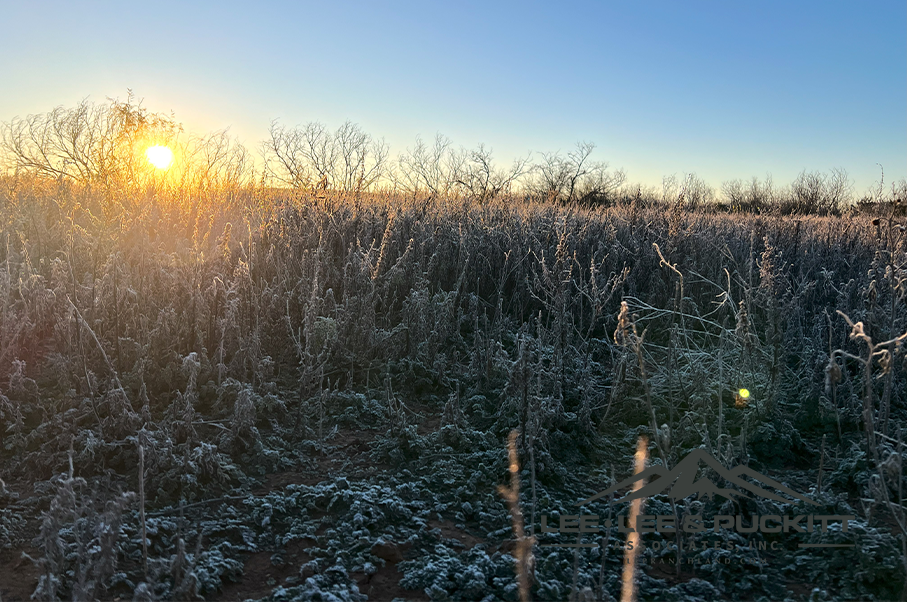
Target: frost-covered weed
column 381, row 351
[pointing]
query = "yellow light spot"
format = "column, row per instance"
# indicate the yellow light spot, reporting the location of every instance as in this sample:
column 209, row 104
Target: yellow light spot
column 159, row 156
column 744, row 393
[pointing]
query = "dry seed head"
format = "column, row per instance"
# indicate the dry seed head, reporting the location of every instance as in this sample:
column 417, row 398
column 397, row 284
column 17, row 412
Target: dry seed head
column 622, row 335
column 743, row 322
column 664, row 437
column 832, row 375
column 767, row 271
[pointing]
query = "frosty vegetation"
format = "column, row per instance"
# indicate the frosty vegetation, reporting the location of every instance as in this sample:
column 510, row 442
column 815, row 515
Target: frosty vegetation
column 299, row 384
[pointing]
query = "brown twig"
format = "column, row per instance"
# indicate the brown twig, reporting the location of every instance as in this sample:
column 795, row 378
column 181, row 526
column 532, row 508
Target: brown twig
column 628, row 589
column 524, row 543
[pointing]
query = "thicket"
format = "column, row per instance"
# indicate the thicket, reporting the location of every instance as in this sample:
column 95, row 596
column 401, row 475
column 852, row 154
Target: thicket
column 101, row 146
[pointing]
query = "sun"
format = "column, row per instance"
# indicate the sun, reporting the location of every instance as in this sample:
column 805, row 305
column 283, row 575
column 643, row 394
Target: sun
column 744, row 393
column 159, row 156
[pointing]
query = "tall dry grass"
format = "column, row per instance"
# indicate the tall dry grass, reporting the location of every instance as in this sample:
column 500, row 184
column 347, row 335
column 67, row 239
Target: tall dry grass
column 182, row 314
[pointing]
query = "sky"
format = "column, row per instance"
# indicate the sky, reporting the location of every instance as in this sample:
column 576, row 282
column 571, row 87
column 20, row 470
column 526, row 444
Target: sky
column 721, row 89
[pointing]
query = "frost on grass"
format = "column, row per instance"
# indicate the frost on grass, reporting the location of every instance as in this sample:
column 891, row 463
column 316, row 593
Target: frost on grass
column 335, row 379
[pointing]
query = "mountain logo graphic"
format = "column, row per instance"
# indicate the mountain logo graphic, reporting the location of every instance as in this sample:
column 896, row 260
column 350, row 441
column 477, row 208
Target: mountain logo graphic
column 685, row 484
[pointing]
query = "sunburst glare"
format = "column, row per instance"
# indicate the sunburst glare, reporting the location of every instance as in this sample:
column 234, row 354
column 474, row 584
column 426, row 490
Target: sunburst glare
column 159, row 156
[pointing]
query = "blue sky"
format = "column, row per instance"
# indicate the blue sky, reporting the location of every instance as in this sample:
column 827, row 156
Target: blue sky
column 722, row 89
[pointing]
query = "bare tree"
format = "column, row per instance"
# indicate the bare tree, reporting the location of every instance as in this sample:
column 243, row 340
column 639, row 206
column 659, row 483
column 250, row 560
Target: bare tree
column 478, row 178
column 669, row 189
column 310, row 157
column 361, row 161
column 431, row 169
column 575, row 177
column 284, row 156
column 839, row 189
column 694, row 191
column 750, row 196
column 91, row 144
column 215, row 162
column 441, row 171
column 815, row 192
column 733, row 192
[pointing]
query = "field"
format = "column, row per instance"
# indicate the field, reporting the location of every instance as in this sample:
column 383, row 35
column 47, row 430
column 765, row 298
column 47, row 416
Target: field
column 308, row 396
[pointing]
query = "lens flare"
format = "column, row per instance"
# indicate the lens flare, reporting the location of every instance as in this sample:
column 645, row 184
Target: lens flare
column 742, row 399
column 159, row 156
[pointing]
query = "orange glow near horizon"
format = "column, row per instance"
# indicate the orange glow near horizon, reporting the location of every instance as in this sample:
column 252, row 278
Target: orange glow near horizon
column 159, row 156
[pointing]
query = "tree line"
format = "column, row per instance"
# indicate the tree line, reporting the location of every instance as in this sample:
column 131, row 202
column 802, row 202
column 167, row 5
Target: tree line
column 102, row 145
